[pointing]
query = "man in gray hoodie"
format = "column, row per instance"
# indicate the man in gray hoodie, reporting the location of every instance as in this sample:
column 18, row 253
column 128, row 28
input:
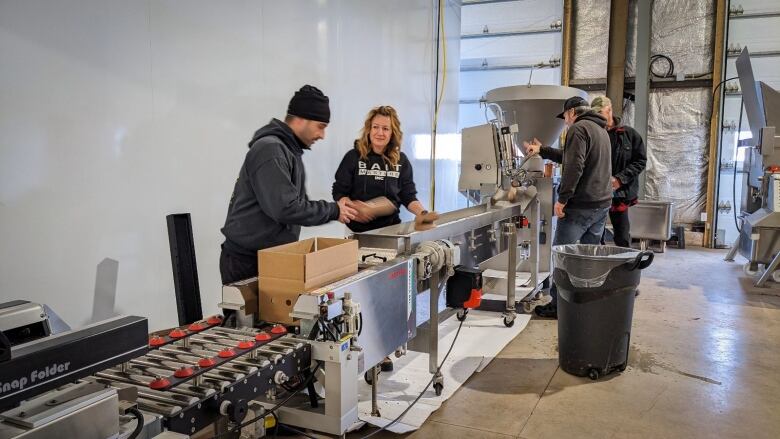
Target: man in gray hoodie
column 269, row 202
column 585, row 190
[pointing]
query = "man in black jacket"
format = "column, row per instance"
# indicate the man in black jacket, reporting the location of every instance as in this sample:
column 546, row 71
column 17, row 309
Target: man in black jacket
column 629, row 158
column 269, row 203
column 585, row 192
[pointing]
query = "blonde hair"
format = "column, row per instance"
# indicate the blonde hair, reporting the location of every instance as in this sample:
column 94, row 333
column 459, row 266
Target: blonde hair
column 392, row 152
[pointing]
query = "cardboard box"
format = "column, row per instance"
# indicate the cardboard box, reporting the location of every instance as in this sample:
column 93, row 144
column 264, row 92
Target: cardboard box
column 289, row 270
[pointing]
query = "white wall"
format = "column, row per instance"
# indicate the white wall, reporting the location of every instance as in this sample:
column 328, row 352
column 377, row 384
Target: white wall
column 514, row 50
column 114, row 114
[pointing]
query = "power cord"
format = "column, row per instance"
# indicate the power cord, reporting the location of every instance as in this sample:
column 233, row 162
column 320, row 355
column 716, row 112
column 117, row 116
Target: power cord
column 274, row 408
column 438, row 369
column 669, row 70
column 140, row 422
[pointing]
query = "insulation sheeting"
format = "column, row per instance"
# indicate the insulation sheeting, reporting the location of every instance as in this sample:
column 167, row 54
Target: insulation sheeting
column 631, row 38
column 591, row 39
column 678, row 150
column 683, row 31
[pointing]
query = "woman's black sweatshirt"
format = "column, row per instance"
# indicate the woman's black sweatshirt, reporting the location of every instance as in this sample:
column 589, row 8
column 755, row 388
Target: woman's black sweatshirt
column 365, row 179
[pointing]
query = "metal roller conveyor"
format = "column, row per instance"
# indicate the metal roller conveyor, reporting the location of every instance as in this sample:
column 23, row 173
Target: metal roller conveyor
column 238, row 331
column 288, row 342
column 215, row 373
column 216, row 379
column 197, row 381
column 209, row 351
column 216, row 346
column 160, row 396
column 145, row 380
column 192, row 359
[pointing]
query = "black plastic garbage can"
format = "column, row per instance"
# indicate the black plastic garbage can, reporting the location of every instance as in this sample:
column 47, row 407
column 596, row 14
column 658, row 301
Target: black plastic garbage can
column 596, row 290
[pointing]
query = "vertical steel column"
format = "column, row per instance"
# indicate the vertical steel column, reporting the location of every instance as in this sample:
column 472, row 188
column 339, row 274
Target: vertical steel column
column 616, row 57
column 642, row 87
column 718, row 69
column 568, row 40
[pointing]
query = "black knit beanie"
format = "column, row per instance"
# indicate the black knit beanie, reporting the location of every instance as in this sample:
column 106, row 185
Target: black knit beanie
column 310, row 103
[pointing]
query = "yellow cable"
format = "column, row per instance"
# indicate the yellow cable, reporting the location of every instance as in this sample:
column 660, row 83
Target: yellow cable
column 439, row 98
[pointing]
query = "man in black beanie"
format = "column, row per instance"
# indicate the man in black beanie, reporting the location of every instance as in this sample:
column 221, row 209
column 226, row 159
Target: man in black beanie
column 269, row 203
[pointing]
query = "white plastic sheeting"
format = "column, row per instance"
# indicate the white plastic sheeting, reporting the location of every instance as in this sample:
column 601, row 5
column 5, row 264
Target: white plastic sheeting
column 677, row 150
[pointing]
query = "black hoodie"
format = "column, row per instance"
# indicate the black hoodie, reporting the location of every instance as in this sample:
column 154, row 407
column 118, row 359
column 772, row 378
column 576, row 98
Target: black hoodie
column 269, row 203
column 587, row 164
column 629, row 157
column 374, row 177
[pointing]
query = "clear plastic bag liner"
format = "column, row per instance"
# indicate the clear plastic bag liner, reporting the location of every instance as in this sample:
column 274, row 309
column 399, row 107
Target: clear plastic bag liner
column 589, row 265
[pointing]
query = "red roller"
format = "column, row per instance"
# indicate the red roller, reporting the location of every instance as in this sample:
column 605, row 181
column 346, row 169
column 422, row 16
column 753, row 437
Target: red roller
column 195, row 327
column 214, row 320
column 159, row 383
column 227, row 353
column 206, row 362
column 245, row 344
column 156, row 340
column 263, row 336
column 177, row 333
column 183, row 372
column 278, row 329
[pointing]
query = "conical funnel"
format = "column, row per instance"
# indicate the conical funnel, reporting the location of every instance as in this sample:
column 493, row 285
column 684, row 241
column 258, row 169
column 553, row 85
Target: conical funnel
column 533, row 108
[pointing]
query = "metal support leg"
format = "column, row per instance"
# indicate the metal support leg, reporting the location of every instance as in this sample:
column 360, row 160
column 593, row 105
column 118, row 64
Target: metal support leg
column 433, row 335
column 732, row 251
column 768, row 272
column 510, row 231
column 374, row 384
column 533, row 256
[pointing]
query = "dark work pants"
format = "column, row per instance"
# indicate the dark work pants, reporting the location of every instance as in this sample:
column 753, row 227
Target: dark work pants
column 620, row 228
column 235, row 267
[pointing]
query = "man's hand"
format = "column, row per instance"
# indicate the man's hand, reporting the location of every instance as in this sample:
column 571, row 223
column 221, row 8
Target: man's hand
column 346, row 212
column 559, row 209
column 533, row 147
column 615, row 183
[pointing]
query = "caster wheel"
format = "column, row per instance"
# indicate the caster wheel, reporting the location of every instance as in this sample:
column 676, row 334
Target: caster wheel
column 462, row 314
column 369, row 378
column 438, row 387
column 776, row 276
column 748, row 270
column 509, row 323
column 593, row 374
column 622, row 367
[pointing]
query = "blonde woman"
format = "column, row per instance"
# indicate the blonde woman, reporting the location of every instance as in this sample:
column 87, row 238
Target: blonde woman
column 375, row 168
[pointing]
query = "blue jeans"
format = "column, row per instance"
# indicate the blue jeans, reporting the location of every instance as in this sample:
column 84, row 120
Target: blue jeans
column 585, row 226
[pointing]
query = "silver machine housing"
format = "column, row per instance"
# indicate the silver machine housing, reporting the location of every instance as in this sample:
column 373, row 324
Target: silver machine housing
column 759, row 238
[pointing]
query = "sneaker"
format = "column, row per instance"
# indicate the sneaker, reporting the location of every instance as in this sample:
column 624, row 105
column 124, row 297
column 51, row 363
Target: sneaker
column 386, row 365
column 549, row 311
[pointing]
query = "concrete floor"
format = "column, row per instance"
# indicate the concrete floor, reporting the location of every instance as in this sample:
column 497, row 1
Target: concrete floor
column 705, row 349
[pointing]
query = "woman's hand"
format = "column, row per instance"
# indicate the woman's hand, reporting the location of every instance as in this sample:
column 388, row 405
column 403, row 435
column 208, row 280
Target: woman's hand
column 364, row 214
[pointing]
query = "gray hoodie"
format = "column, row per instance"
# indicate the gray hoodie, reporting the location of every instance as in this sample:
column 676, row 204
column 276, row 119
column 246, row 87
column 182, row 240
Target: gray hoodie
column 269, row 203
column 587, row 164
